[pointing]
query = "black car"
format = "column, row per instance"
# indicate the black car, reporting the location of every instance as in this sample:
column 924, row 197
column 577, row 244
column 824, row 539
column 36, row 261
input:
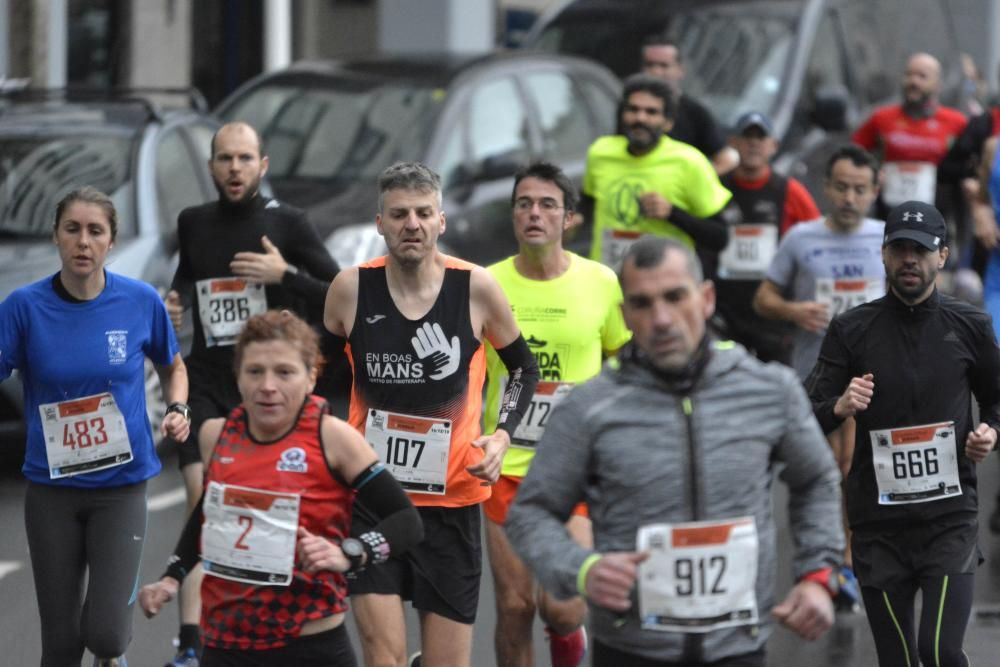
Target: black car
column 329, row 128
column 816, row 67
column 151, row 160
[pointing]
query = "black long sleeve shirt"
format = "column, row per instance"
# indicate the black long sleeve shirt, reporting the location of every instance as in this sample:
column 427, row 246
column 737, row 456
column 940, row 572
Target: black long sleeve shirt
column 928, row 360
column 209, row 235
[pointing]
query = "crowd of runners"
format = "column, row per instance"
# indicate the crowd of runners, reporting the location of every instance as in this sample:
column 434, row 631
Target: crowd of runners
column 590, row 411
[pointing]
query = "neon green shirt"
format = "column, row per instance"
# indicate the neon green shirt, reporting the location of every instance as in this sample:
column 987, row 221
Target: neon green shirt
column 615, row 179
column 570, row 322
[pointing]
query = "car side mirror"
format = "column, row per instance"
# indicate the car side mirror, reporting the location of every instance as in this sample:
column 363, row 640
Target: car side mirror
column 829, row 108
column 463, row 178
column 502, row 165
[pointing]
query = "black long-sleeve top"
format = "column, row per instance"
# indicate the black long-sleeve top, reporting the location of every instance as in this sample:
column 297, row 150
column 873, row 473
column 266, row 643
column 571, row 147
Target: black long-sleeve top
column 928, row 360
column 209, row 235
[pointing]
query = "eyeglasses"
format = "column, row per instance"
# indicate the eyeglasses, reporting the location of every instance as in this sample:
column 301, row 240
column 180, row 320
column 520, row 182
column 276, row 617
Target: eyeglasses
column 546, row 204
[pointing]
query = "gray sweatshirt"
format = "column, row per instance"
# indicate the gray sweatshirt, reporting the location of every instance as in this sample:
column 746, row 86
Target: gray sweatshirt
column 624, row 443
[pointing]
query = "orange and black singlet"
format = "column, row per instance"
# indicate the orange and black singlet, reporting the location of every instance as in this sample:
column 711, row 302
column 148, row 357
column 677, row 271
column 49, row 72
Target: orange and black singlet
column 418, row 384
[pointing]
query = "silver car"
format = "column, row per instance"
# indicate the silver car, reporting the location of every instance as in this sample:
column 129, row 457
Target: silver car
column 151, row 161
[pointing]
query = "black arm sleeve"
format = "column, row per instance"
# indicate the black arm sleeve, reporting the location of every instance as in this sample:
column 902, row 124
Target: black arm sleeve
column 182, row 282
column 985, row 380
column 380, row 497
column 708, row 233
column 586, row 209
column 522, row 378
column 186, row 554
column 828, row 379
column 962, row 159
column 316, row 268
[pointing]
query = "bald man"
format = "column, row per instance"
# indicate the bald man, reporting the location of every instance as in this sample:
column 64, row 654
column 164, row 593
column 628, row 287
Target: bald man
column 239, row 256
column 913, row 137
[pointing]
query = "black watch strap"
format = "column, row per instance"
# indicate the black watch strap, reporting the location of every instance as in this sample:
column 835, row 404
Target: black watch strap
column 354, row 550
column 180, row 408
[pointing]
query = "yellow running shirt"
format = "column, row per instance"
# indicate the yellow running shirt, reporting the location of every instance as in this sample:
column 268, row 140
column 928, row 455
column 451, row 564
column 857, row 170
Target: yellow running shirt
column 569, row 323
column 615, row 179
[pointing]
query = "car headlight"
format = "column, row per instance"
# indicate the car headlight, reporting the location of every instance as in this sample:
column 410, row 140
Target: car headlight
column 355, row 244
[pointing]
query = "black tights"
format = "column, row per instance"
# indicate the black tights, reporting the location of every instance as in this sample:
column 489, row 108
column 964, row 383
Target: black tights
column 947, row 604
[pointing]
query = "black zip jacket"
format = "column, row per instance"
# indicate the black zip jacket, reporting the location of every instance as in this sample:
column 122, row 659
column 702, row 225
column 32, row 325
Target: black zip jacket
column 928, row 360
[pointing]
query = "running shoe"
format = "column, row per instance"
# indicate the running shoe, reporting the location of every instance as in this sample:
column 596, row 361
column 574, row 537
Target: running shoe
column 414, row 660
column 185, row 658
column 848, row 598
column 111, row 662
column 567, row 650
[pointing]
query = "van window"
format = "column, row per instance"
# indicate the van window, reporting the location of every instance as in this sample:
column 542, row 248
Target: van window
column 498, row 125
column 178, row 180
column 826, row 67
column 915, row 25
column 342, row 132
column 735, row 53
column 733, row 61
column 564, row 127
column 36, row 171
column 860, row 25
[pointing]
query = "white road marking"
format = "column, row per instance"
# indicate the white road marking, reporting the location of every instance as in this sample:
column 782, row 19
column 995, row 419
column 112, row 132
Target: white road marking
column 162, row 501
column 8, row 566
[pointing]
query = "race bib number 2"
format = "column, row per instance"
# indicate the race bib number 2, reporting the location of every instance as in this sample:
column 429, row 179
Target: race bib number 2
column 84, row 435
column 700, row 576
column 249, row 534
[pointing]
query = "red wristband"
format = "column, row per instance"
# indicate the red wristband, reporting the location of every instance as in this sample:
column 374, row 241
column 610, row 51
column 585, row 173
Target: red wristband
column 824, row 577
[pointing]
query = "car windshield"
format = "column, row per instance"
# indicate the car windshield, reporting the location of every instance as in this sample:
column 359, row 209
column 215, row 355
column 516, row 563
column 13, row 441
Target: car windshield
column 35, row 173
column 735, row 55
column 338, row 134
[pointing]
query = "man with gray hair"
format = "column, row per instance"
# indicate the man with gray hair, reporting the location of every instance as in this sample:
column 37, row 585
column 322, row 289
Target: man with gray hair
column 682, row 568
column 415, row 321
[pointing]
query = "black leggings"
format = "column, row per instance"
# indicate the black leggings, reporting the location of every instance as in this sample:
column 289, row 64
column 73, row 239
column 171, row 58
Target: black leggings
column 947, row 604
column 323, row 649
column 77, row 535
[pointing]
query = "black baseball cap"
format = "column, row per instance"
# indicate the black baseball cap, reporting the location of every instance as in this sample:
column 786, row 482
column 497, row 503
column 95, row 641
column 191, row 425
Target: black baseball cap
column 916, row 221
column 754, row 119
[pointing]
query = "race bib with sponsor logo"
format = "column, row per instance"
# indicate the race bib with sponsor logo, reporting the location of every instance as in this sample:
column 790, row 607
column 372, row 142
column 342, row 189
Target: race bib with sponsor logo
column 614, row 244
column 547, row 396
column 225, row 305
column 700, row 576
column 841, row 294
column 915, row 464
column 415, row 449
column 749, row 252
column 908, row 181
column 84, row 435
column 249, row 534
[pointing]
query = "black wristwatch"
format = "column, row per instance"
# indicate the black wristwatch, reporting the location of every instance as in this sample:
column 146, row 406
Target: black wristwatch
column 355, row 552
column 180, row 408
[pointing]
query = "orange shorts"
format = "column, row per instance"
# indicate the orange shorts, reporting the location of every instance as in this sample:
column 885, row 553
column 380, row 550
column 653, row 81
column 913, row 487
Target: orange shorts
column 496, row 506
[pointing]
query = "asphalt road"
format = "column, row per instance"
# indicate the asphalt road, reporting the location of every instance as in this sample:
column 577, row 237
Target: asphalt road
column 849, row 643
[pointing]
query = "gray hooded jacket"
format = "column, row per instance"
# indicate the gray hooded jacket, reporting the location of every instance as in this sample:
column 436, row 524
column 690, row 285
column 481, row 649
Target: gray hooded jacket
column 640, row 452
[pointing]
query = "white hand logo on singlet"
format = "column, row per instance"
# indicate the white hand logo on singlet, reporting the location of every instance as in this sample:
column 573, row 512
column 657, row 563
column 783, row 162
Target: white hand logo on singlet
column 430, row 341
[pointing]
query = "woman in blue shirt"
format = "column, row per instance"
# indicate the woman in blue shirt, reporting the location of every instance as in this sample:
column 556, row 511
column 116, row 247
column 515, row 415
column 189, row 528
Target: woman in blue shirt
column 79, row 340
